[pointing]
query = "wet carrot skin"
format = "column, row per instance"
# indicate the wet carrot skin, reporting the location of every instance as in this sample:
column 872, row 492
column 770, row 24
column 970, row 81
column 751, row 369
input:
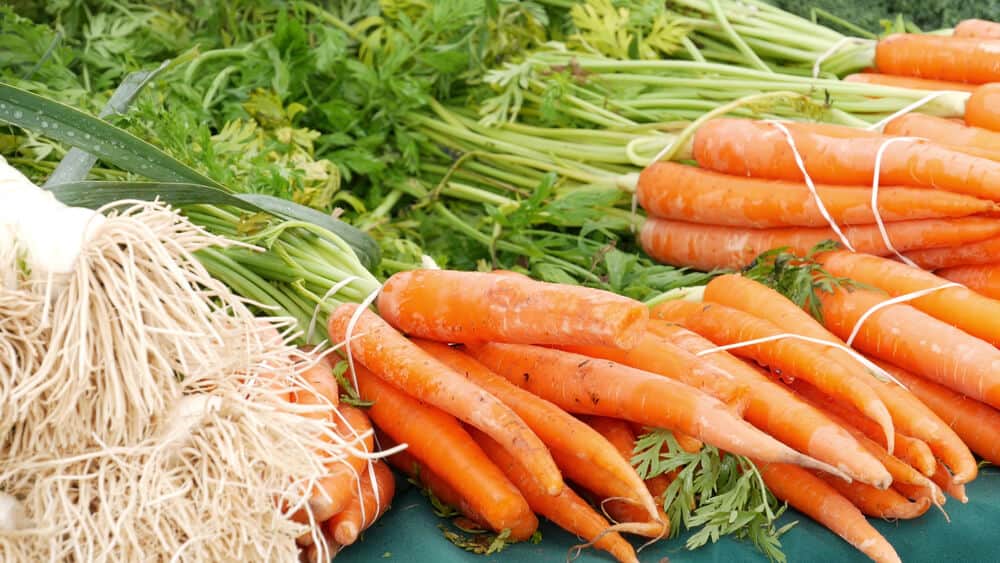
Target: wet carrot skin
column 983, row 107
column 709, row 247
column 453, row 306
column 983, row 278
column 972, row 60
column 687, row 193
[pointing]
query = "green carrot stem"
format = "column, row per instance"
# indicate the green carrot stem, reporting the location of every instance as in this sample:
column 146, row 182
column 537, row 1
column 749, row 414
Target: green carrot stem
column 750, row 55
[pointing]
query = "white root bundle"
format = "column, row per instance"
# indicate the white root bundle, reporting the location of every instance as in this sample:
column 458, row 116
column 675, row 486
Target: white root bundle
column 142, row 405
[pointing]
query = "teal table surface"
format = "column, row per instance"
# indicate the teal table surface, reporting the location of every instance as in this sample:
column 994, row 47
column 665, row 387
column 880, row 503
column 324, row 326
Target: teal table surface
column 409, row 533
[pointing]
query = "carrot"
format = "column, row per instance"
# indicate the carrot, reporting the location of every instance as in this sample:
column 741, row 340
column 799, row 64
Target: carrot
column 910, row 416
column 913, row 340
column 620, row 434
column 981, row 107
column 439, row 441
column 741, row 147
column 777, row 411
column 916, row 492
column 585, row 385
column 363, row 510
column 977, row 28
column 814, row 497
column 951, row 305
column 789, row 357
column 687, row 443
column 971, row 254
column 976, row 423
column 878, row 503
column 984, row 279
column 432, row 483
column 679, row 192
column 400, row 362
column 657, row 355
column 911, row 450
column 908, row 82
column 708, row 247
column 944, row 480
column 451, row 306
column 958, row 59
column 954, row 134
column 576, row 447
column 320, row 377
column 567, row 509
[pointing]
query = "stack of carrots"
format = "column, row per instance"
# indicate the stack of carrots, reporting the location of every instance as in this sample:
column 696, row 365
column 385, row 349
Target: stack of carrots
column 504, row 389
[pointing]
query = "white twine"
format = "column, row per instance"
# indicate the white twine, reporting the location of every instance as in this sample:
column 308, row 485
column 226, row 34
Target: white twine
column 875, row 183
column 894, row 301
column 871, row 366
column 809, row 184
column 878, row 126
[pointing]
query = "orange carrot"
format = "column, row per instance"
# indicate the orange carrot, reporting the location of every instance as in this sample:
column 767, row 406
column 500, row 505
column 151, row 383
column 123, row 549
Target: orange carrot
column 620, row 434
column 908, row 82
column 451, row 306
column 911, row 339
column 977, row 28
column 439, row 441
column 956, row 135
column 401, row 363
column 953, row 305
column 788, row 357
column 688, row 193
column 984, row 279
column 742, row 147
column 918, row 492
column 911, row 450
column 958, row 59
column 433, row 483
column 320, row 377
column 585, row 385
column 567, row 509
column 976, row 423
column 821, row 502
column 944, row 480
column 365, row 509
column 777, row 411
column 878, row 503
column 576, row 447
column 708, row 247
column 910, row 416
column 657, row 355
column 971, row 254
column 981, row 108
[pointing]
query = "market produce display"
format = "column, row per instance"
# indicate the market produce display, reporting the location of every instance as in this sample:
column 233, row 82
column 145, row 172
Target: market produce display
column 630, row 270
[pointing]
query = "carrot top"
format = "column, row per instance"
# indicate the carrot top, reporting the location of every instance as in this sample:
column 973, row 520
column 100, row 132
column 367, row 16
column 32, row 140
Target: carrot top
column 709, row 489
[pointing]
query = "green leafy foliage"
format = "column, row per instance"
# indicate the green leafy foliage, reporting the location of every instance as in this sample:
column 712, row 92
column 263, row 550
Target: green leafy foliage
column 798, row 278
column 714, row 493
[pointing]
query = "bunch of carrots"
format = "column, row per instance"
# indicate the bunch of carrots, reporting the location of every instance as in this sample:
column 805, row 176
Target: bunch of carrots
column 504, row 389
column 358, row 488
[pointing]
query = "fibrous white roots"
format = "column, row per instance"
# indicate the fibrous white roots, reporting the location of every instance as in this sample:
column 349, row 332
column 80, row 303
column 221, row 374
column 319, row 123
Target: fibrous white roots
column 134, row 424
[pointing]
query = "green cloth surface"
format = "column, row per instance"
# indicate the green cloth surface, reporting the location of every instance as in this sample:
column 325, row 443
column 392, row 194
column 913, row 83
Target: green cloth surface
column 409, row 533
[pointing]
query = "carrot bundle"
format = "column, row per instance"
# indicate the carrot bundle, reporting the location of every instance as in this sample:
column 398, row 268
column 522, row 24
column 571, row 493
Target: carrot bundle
column 742, row 147
column 709, row 247
column 675, row 191
column 453, row 306
column 401, row 363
